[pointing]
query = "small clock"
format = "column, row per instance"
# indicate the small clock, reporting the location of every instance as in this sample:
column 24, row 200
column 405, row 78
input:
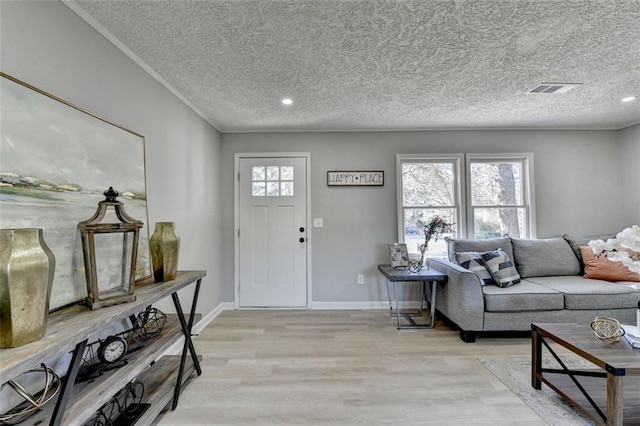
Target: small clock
column 112, row 349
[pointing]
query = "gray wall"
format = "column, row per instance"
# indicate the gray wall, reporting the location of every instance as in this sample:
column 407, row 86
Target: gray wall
column 48, row 46
column 629, row 141
column 577, row 183
column 586, row 182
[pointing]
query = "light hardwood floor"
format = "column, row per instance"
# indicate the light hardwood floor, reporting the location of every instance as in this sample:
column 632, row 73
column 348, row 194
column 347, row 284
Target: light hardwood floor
column 305, row 367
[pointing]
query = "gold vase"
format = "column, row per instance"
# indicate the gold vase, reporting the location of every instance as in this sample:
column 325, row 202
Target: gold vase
column 26, row 276
column 164, row 246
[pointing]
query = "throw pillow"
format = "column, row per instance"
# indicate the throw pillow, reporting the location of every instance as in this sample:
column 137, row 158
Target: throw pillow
column 472, row 260
column 458, row 245
column 575, row 241
column 501, row 268
column 601, row 268
column 544, row 257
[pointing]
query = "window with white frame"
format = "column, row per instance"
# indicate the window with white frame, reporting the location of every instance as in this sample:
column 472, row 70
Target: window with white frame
column 428, row 186
column 499, row 195
column 484, row 195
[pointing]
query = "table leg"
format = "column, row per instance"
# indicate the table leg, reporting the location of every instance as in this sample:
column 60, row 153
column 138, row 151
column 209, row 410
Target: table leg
column 536, row 359
column 614, row 400
column 188, row 343
column 395, row 293
column 434, row 287
column 68, row 383
column 390, row 300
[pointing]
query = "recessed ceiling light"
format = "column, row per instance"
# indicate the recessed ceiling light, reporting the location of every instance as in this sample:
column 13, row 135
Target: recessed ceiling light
column 629, row 99
column 287, row 101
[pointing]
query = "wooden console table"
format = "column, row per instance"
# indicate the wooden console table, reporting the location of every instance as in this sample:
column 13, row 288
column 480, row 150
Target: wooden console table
column 72, row 328
column 395, row 276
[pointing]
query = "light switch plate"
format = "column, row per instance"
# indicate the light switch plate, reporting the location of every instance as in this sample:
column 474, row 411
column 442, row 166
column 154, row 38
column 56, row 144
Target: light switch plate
column 318, row 222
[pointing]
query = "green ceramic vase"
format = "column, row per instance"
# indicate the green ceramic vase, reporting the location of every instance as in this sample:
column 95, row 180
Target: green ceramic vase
column 164, row 246
column 26, row 276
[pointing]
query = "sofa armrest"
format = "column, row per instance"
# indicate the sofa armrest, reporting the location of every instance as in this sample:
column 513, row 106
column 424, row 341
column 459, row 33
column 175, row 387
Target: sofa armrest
column 461, row 299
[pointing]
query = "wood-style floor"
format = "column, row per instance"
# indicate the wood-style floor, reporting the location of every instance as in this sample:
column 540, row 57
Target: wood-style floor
column 301, row 367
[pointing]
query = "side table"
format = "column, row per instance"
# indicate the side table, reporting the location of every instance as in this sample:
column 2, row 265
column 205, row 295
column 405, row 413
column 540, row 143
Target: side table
column 395, row 276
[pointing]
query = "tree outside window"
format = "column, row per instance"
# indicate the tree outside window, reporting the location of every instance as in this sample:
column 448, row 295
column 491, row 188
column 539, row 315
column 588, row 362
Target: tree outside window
column 499, row 196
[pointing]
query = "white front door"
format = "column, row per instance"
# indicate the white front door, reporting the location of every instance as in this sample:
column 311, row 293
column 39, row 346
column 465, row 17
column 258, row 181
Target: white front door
column 272, row 234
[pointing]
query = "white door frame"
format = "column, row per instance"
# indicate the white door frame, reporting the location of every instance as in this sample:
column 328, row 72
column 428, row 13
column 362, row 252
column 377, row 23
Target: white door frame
column 236, row 216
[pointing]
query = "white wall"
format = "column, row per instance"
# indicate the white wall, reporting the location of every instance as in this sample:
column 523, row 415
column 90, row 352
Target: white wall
column 629, row 141
column 577, row 179
column 48, row 46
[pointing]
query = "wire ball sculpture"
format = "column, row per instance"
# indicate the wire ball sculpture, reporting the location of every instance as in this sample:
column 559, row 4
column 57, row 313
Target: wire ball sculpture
column 607, row 329
column 149, row 324
column 32, row 402
column 415, row 266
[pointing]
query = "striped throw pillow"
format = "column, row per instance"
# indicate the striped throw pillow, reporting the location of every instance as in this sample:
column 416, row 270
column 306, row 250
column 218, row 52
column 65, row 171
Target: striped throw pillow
column 472, row 260
column 501, row 268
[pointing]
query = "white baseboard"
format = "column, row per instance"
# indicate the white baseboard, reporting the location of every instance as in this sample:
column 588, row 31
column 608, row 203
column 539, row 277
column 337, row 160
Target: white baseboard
column 176, row 348
column 360, row 305
column 206, row 320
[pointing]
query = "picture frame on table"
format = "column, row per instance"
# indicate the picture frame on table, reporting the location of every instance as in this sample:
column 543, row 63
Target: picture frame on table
column 399, row 256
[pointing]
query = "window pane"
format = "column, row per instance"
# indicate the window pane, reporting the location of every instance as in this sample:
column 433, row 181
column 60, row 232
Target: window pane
column 257, row 173
column 496, row 183
column 286, row 173
column 286, row 189
column 273, row 173
column 428, row 184
column 414, row 223
column 258, row 189
column 494, row 222
column 273, row 189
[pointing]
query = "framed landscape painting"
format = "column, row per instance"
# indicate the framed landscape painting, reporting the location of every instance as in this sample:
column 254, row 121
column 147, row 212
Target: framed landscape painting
column 56, row 160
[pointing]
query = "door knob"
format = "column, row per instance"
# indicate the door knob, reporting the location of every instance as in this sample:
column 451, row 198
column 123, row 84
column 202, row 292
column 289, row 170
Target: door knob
column 301, row 240
column 301, row 229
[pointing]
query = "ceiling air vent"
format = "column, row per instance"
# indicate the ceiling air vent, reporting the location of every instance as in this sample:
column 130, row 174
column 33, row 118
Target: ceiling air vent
column 554, row 88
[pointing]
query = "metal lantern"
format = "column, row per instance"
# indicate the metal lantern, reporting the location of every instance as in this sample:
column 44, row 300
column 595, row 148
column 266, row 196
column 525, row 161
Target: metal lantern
column 110, row 249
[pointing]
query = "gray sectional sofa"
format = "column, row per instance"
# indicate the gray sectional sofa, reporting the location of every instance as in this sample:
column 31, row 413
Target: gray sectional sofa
column 552, row 288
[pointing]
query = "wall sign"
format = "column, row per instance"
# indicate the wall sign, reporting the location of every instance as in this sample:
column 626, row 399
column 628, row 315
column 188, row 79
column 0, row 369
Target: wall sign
column 355, row 178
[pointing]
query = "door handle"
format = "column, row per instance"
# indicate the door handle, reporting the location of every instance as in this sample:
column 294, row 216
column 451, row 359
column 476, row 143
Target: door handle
column 301, row 240
column 301, row 229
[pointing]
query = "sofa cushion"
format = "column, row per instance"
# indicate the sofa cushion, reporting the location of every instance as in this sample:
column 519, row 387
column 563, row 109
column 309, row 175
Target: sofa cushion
column 582, row 293
column 575, row 241
column 544, row 257
column 501, row 268
column 472, row 260
column 600, row 267
column 456, row 245
column 526, row 296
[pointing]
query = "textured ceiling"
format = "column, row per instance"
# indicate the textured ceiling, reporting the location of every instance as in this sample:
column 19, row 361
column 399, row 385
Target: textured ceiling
column 385, row 65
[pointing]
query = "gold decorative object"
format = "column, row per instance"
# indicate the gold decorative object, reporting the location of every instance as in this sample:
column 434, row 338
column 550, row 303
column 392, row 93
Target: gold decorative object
column 607, row 329
column 33, row 403
column 164, row 246
column 110, row 250
column 26, row 276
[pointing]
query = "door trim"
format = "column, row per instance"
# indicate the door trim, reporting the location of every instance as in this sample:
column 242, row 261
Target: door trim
column 236, row 217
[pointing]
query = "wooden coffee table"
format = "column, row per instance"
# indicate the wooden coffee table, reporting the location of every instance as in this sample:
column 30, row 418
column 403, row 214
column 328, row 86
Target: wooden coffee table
column 603, row 392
